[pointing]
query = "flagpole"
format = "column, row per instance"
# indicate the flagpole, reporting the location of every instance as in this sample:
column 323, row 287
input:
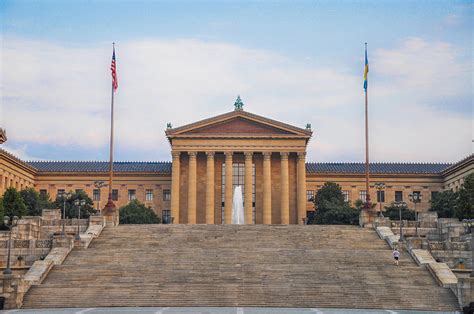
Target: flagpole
column 367, row 203
column 110, row 206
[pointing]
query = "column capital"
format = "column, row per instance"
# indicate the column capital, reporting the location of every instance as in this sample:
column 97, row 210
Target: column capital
column 192, row 154
column 175, row 154
column 301, row 155
column 248, row 154
column 228, row 154
column 267, row 155
column 210, row 154
column 284, row 155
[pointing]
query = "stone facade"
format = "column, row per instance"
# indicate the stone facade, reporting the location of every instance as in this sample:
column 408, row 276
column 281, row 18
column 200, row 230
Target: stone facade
column 211, row 156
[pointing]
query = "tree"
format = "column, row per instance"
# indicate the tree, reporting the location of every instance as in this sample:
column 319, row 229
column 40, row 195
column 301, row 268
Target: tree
column 13, row 204
column 331, row 207
column 465, row 203
column 393, row 213
column 35, row 202
column 137, row 213
column 71, row 209
column 444, row 203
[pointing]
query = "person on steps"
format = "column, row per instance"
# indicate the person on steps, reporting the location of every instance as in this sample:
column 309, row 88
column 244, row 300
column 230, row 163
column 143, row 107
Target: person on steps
column 396, row 255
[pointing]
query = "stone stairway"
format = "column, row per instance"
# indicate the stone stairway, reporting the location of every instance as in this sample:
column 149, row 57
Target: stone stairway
column 229, row 265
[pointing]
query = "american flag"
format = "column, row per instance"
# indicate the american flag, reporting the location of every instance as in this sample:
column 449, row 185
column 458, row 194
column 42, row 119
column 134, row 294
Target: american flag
column 113, row 67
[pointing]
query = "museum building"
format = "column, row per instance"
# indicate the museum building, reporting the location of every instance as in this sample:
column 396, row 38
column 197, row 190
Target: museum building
column 267, row 158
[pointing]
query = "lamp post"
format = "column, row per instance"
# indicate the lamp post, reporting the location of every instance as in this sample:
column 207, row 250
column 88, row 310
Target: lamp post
column 99, row 185
column 9, row 223
column 79, row 203
column 400, row 205
column 380, row 186
column 65, row 196
column 469, row 228
column 415, row 198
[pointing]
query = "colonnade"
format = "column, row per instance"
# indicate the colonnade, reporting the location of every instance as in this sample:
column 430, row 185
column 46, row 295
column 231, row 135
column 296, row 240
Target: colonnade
column 8, row 180
column 228, row 194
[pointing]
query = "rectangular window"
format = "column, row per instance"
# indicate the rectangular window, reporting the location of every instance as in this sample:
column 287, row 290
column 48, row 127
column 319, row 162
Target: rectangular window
column 166, row 216
column 61, row 192
column 166, row 195
column 346, row 195
column 380, row 196
column 398, row 196
column 434, row 194
column 96, row 195
column 149, row 195
column 417, row 192
column 363, row 195
column 132, row 195
column 43, row 192
column 115, row 195
column 78, row 190
column 310, row 195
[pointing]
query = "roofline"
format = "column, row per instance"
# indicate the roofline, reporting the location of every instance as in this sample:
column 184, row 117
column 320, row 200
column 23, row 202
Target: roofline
column 170, row 132
column 25, row 165
column 455, row 166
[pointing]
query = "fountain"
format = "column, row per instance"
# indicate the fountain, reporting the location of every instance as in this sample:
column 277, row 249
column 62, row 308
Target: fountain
column 238, row 207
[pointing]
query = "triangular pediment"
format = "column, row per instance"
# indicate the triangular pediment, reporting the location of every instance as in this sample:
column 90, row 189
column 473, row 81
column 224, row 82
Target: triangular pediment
column 238, row 123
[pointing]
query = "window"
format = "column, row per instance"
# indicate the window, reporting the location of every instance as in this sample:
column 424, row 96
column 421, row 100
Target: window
column 363, row 195
column 380, row 196
column 166, row 216
column 132, row 195
column 238, row 178
column 417, row 192
column 346, row 196
column 78, row 191
column 43, row 192
column 61, row 192
column 149, row 195
column 115, row 195
column 310, row 195
column 434, row 194
column 96, row 195
column 166, row 195
column 398, row 196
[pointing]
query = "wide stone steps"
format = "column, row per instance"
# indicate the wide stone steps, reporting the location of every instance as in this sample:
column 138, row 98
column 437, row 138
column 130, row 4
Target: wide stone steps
column 269, row 266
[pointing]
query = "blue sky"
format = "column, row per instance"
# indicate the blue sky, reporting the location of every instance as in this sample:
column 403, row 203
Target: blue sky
column 297, row 62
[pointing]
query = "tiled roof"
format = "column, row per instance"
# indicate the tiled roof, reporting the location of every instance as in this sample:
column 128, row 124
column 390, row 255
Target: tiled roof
column 382, row 168
column 100, row 166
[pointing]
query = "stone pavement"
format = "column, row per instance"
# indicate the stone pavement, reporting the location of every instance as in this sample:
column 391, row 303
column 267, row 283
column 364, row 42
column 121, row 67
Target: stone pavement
column 213, row 310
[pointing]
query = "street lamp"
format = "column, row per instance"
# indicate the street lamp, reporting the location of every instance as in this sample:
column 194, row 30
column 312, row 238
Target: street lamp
column 9, row 223
column 79, row 203
column 65, row 196
column 380, row 186
column 99, row 185
column 415, row 198
column 469, row 227
column 400, row 205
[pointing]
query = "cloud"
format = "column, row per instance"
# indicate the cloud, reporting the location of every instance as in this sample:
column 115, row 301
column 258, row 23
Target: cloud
column 59, row 95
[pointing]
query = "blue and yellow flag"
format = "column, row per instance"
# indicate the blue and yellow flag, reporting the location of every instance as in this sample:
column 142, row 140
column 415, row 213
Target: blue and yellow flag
column 366, row 69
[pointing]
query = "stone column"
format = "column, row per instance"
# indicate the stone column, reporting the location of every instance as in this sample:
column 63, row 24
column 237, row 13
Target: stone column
column 301, row 187
column 285, row 190
column 192, row 188
column 228, row 188
column 248, row 188
column 175, row 187
column 267, row 188
column 210, row 188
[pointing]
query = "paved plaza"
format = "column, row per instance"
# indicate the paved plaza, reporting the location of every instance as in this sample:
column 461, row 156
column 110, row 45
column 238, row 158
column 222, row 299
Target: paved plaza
column 213, row 310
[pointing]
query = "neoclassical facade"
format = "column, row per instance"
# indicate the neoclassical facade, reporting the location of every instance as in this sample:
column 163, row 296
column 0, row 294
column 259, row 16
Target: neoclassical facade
column 267, row 158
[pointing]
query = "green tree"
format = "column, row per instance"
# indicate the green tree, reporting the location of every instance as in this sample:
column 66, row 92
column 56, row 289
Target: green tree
column 35, row 202
column 137, row 213
column 444, row 203
column 465, row 203
column 13, row 204
column 71, row 209
column 393, row 213
column 331, row 207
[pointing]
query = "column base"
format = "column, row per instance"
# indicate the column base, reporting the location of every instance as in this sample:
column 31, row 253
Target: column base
column 111, row 214
column 367, row 217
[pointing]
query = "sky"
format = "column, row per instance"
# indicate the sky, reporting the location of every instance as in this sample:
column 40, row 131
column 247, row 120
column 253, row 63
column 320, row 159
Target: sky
column 297, row 62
